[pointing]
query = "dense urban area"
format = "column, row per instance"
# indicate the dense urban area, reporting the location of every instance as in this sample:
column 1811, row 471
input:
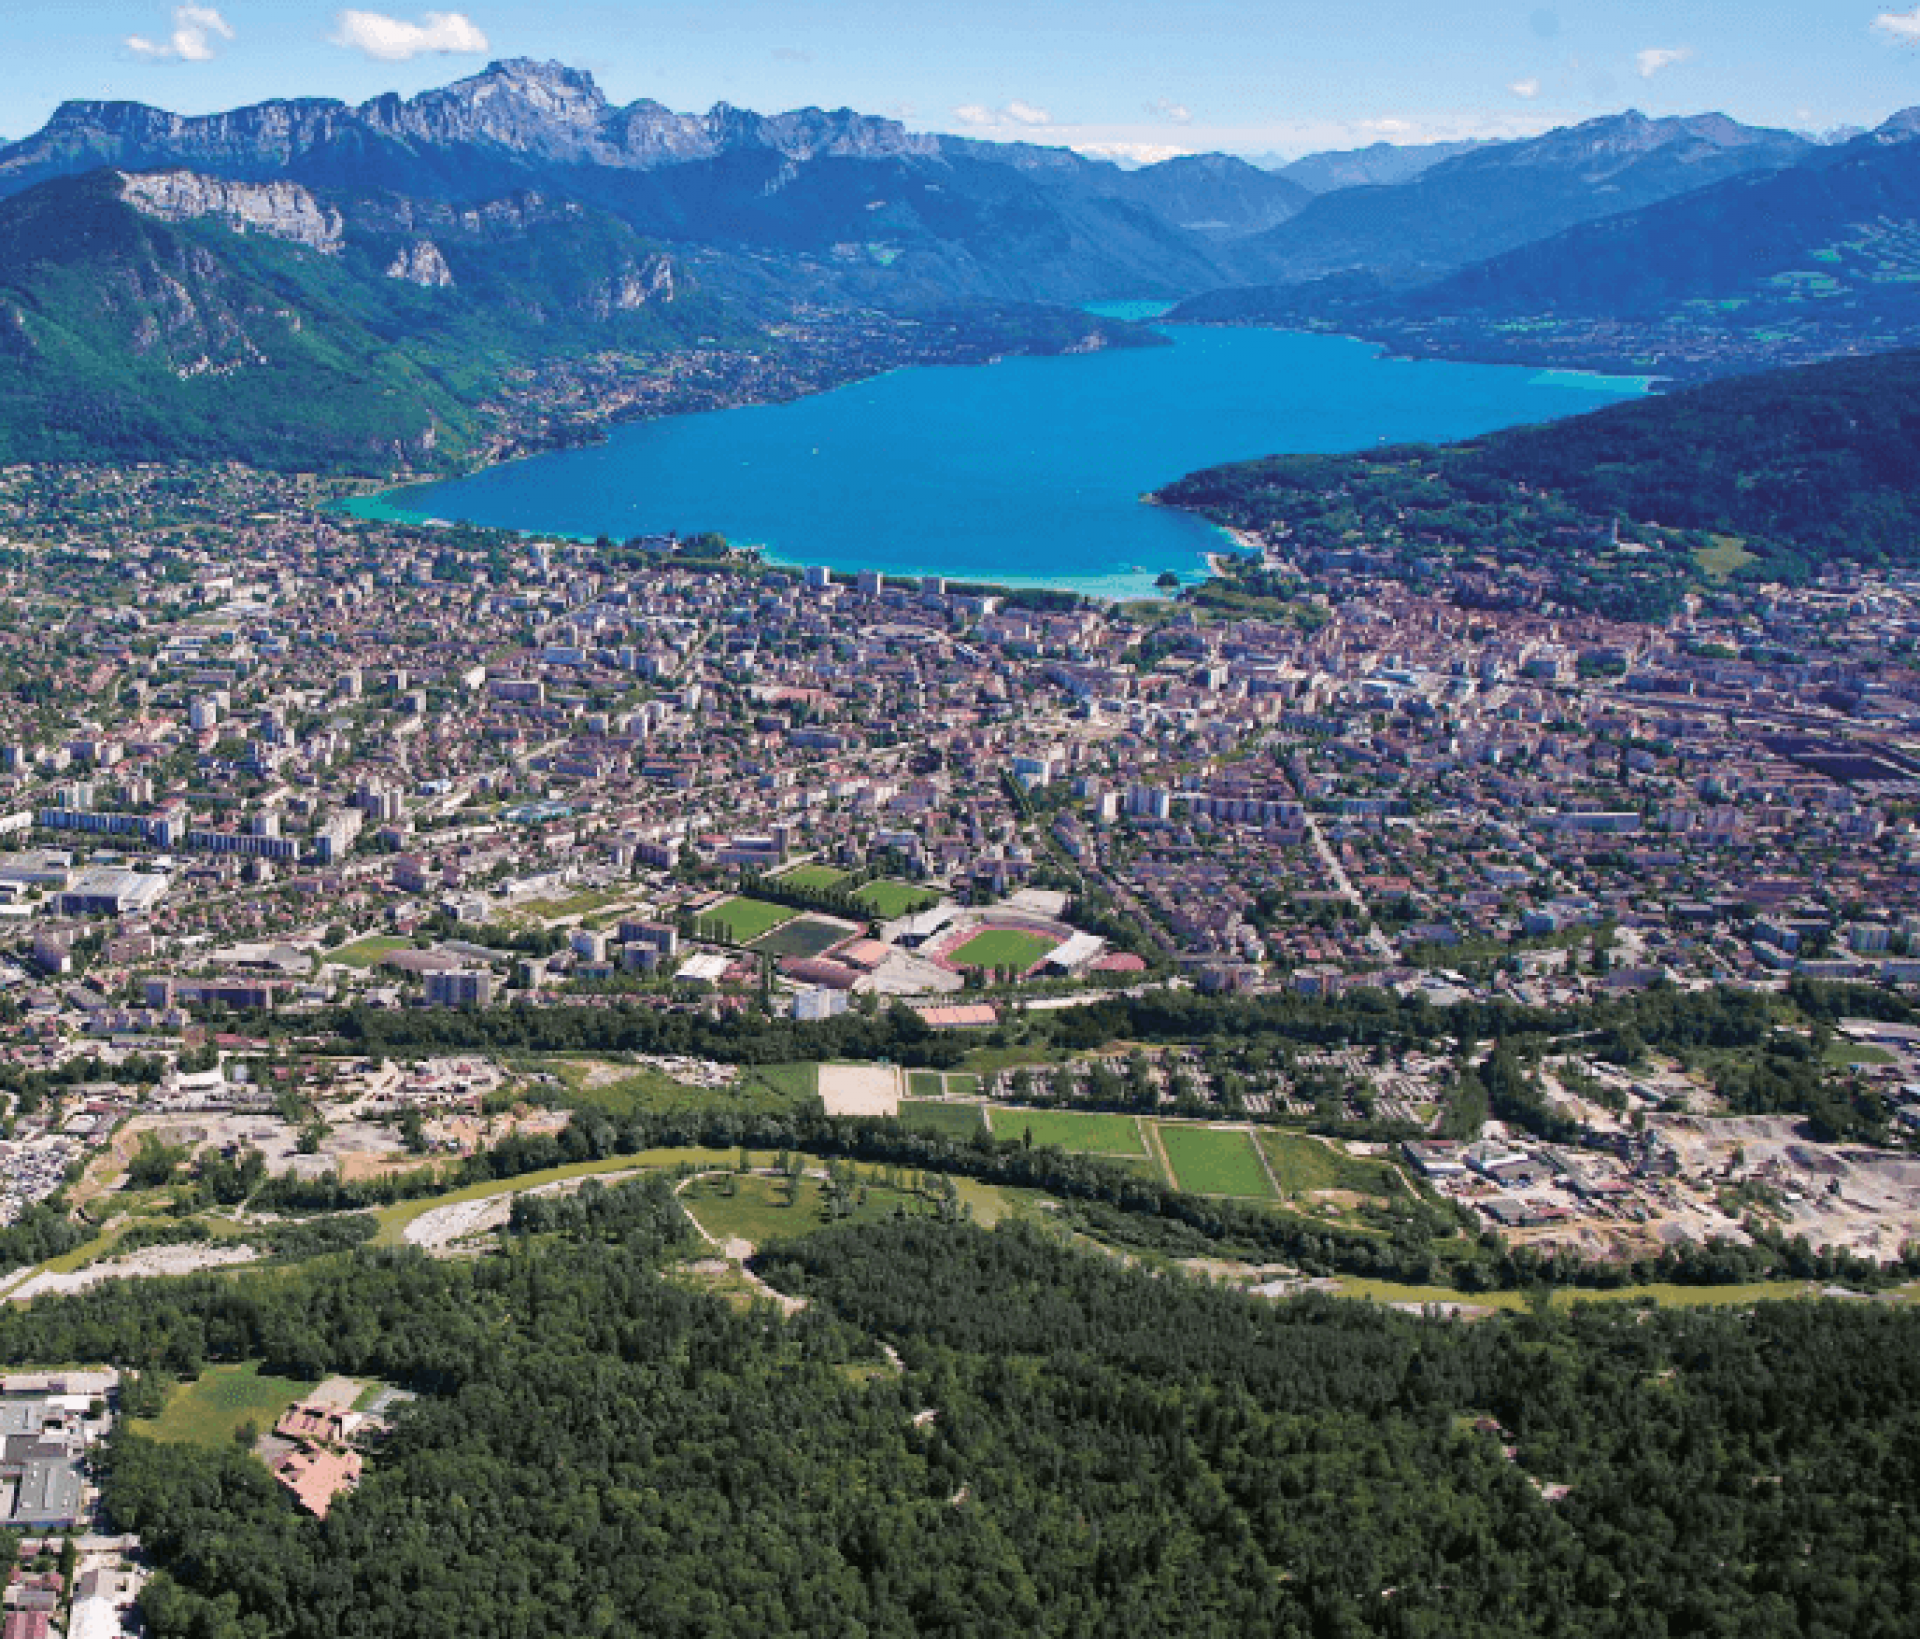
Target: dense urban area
column 324, row 835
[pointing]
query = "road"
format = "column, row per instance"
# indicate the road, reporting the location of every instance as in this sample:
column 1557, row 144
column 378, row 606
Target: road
column 1377, row 941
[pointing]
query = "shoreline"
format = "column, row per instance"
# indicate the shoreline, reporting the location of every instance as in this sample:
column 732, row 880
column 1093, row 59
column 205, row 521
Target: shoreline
column 1121, row 585
column 1126, row 586
column 1652, row 385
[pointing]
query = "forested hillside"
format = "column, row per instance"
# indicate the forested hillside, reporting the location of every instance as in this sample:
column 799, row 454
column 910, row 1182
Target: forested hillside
column 149, row 319
column 1068, row 1446
column 1804, row 467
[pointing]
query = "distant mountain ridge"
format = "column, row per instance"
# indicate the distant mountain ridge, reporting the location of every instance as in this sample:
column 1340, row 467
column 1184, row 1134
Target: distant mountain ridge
column 1479, row 203
column 1381, row 164
column 1788, row 265
column 1708, row 245
column 539, row 111
column 915, row 216
column 881, row 212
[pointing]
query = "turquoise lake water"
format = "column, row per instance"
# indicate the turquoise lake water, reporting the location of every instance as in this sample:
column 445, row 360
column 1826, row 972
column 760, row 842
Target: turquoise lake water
column 1026, row 472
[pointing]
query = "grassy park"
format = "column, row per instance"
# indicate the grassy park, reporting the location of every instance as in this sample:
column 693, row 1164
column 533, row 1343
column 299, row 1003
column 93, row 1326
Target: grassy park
column 1302, row 1165
column 207, row 1411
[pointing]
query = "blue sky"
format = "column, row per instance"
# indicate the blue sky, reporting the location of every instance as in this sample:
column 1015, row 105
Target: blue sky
column 1146, row 76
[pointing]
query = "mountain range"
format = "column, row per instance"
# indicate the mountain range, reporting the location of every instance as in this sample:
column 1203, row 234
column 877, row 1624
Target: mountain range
column 1381, row 164
column 1491, row 199
column 1793, row 263
column 310, row 281
column 894, row 213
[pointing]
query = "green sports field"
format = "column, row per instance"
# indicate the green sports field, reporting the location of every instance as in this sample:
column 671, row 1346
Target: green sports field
column 1003, row 947
column 1084, row 1133
column 366, row 953
column 1207, row 1161
column 740, row 921
column 888, row 899
column 812, row 878
column 805, row 936
column 955, row 1120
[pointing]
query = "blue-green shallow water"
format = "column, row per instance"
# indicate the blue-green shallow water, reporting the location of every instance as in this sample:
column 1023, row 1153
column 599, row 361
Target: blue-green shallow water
column 1026, row 472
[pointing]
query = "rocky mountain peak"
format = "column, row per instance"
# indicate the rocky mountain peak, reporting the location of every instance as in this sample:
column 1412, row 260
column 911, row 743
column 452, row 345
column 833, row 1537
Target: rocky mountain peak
column 421, row 263
column 520, row 86
column 1901, row 127
column 529, row 107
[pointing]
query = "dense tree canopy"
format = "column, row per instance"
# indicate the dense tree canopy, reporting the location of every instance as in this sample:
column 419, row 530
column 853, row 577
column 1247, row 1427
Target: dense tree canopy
column 1068, row 1446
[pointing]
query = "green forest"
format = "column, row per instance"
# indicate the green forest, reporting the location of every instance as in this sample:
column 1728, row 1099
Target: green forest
column 1058, row 1444
column 1802, row 467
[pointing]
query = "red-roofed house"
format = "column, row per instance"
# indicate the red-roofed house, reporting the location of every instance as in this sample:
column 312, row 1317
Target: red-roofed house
column 315, row 1477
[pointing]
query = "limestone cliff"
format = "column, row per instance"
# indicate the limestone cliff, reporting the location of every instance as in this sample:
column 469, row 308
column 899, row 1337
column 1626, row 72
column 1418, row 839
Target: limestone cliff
column 280, row 210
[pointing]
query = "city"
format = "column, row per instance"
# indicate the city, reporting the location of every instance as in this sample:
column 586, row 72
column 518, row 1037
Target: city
column 321, row 764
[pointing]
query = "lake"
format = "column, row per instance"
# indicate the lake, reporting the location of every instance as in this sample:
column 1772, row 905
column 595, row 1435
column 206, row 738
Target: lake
column 1026, row 472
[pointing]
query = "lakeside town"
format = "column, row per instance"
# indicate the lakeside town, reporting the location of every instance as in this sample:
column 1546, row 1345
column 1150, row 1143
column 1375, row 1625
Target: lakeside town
column 263, row 763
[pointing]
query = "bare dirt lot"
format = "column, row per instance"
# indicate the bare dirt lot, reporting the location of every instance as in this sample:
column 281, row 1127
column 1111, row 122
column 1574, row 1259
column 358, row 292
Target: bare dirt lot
column 446, row 1225
column 1839, row 1195
column 154, row 1262
column 860, row 1089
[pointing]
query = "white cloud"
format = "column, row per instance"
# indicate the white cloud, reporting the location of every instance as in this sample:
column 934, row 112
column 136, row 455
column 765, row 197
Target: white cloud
column 1016, row 113
column 191, row 41
column 1649, row 63
column 1527, row 89
column 1168, row 109
column 1902, row 27
column 394, row 40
